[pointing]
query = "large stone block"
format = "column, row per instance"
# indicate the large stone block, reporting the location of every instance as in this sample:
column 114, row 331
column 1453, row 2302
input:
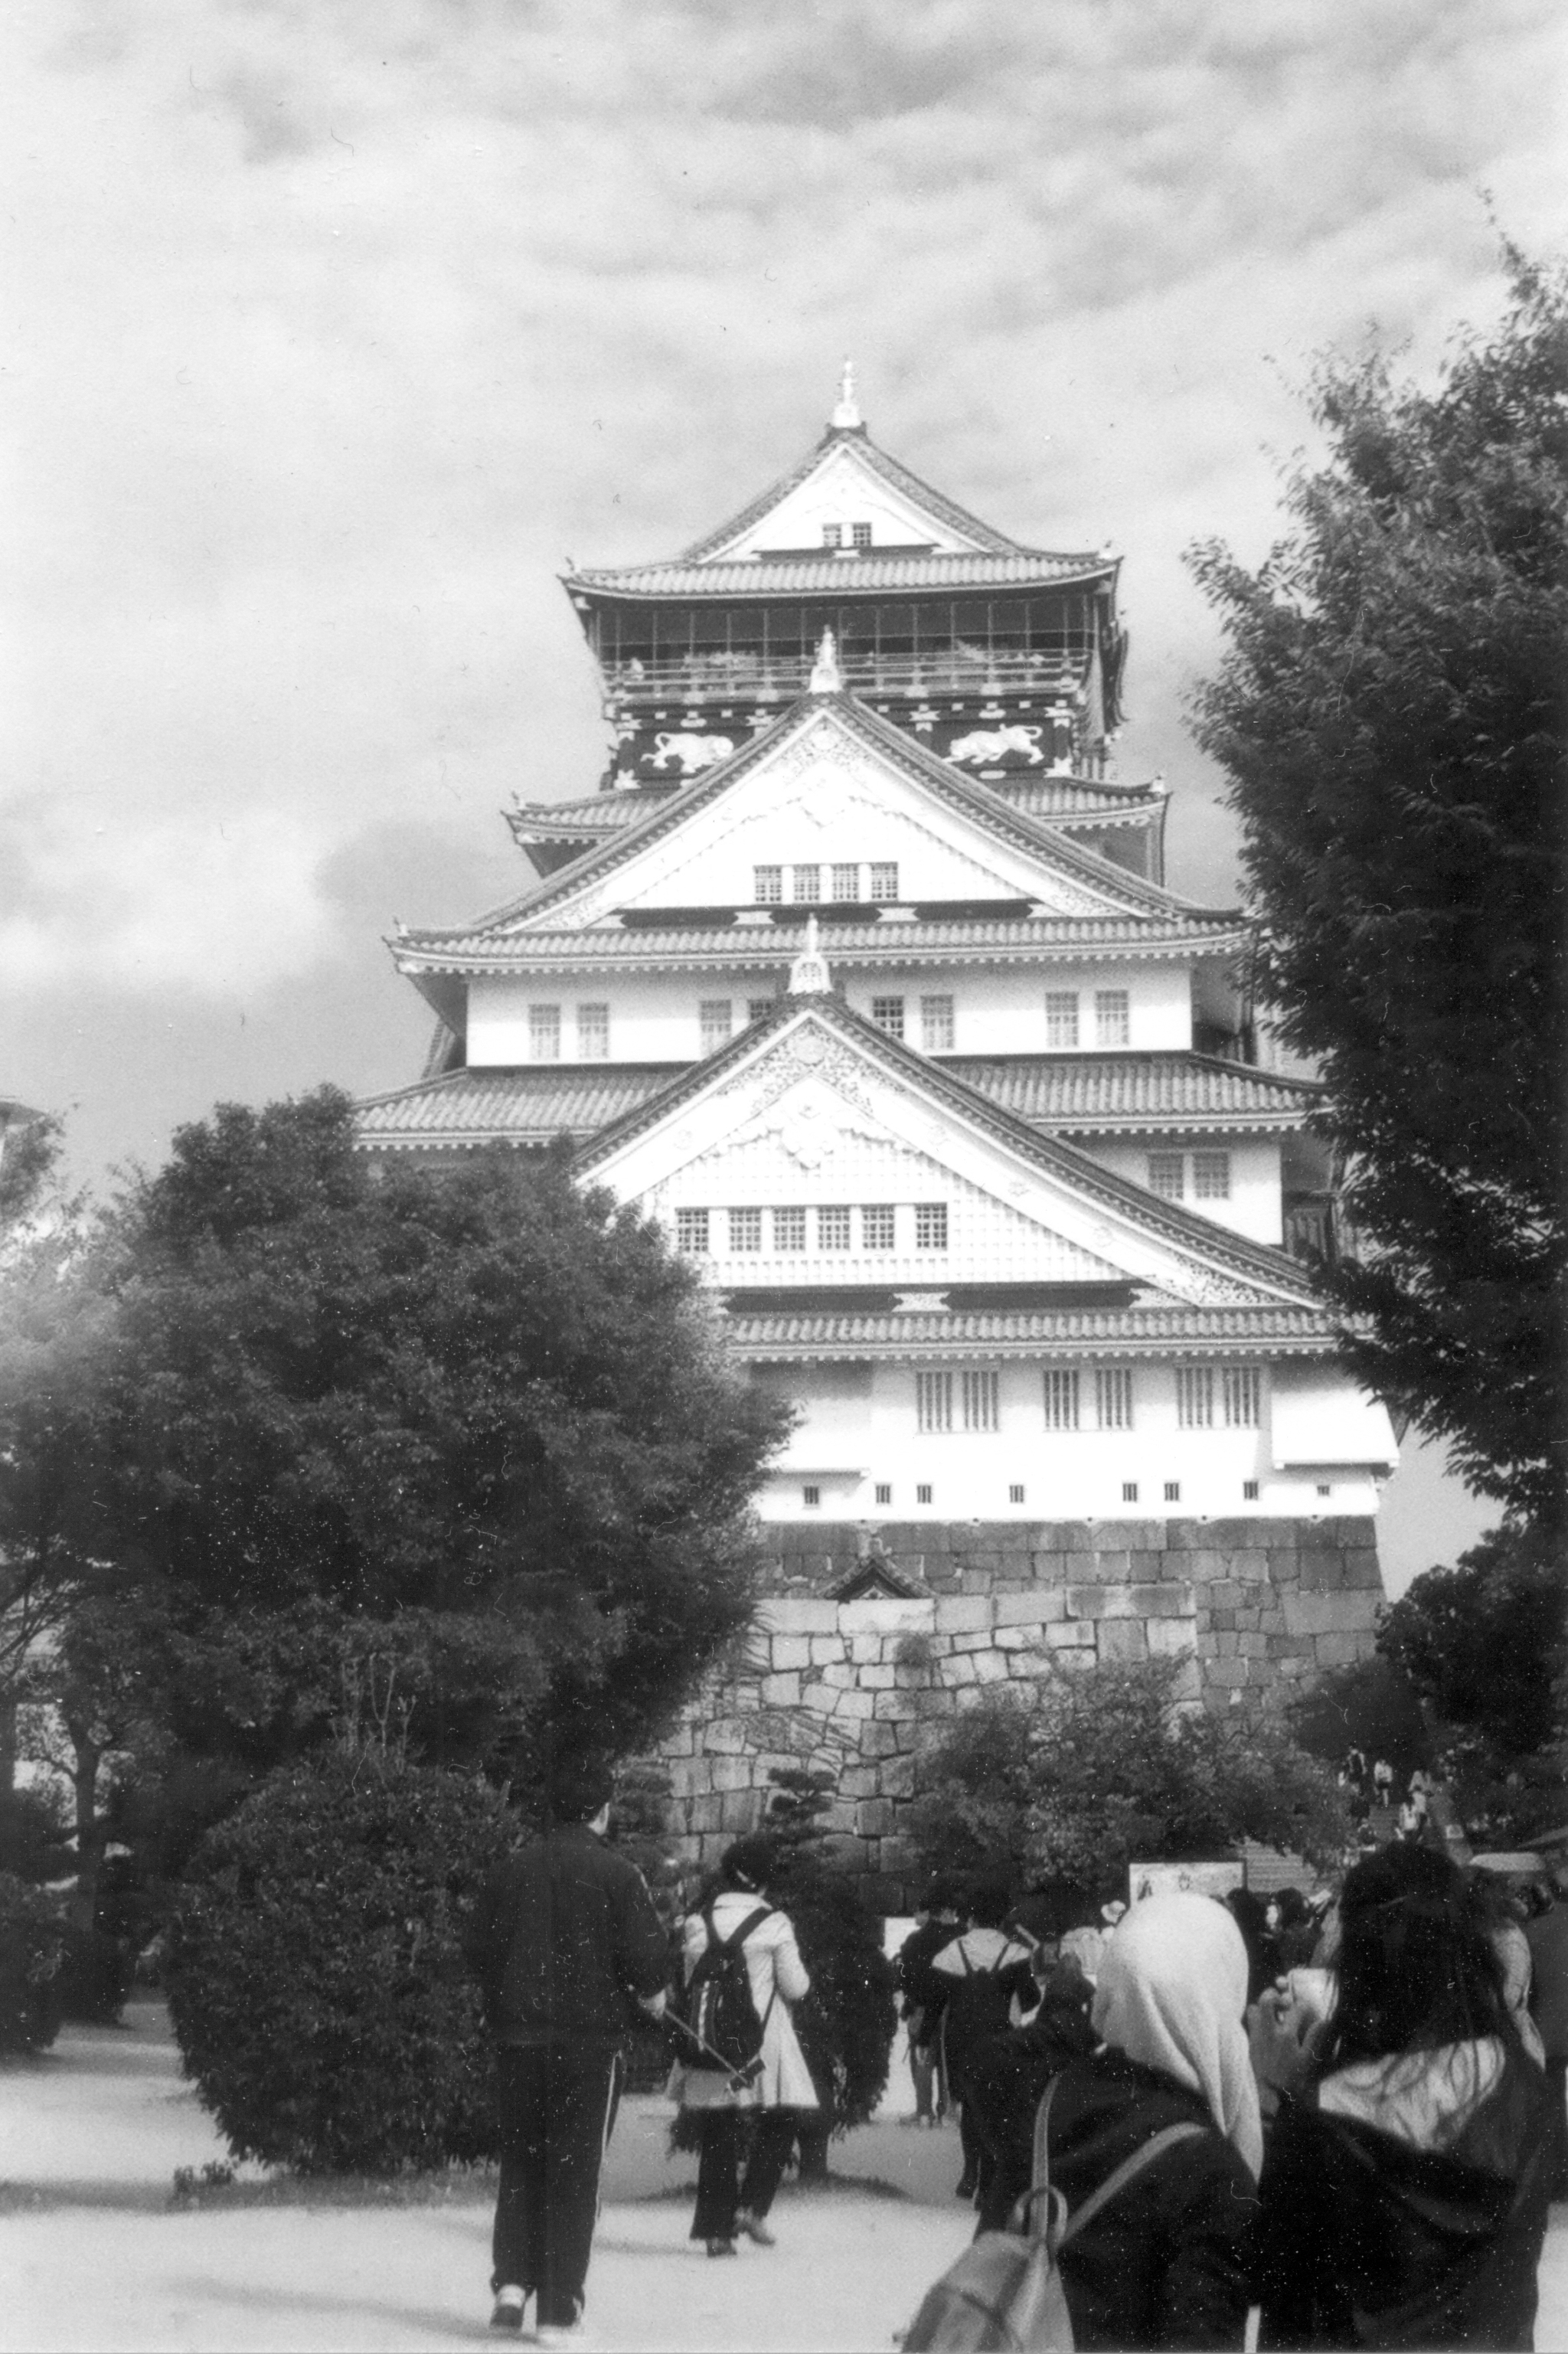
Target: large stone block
column 894, row 1707
column 1124, row 1638
column 1071, row 1635
column 878, row 1739
column 1322, row 1571
column 897, row 1777
column 874, row 1819
column 959, row 1669
column 819, row 1697
column 875, row 1678
column 1329, row 1613
column 864, row 1650
column 840, row 1675
column 980, row 1641
column 1029, row 1609
column 1119, row 1601
column 860, row 1782
column 691, row 1777
column 787, row 1651
column 1340, row 1650
column 739, row 1809
column 725, row 1735
column 734, row 1773
column 792, row 1615
column 1130, row 1536
column 911, row 1617
column 852, row 1707
column 781, row 1691
column 991, row 1668
column 1169, row 1637
column 962, row 1614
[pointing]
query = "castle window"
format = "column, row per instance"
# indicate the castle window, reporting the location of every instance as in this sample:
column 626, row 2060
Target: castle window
column 832, row 1230
column 832, row 534
column 931, row 1226
column 883, row 1492
column 746, row 1230
column 922, row 1494
column 1113, row 1397
column 884, row 879
column 806, row 884
column 876, row 1224
column 544, row 1032
column 1326, row 1490
column 768, row 886
column 810, row 1496
column 1173, row 1491
column 1015, row 1495
column 846, row 882
column 1130, row 1492
column 758, row 1009
column 1165, row 1175
column 1249, row 1491
column 887, row 1013
column 593, row 1032
column 788, row 1230
column 1112, row 1017
column 1196, row 1397
column 860, row 534
column 1061, row 1401
column 715, row 1019
column 937, row 1024
column 933, row 1403
column 1210, row 1176
column 981, row 1401
column 1061, row 1017
column 1242, row 1387
column 692, row 1233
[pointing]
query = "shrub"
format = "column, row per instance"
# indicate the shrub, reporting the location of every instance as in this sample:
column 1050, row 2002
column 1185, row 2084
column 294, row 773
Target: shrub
column 315, row 1970
column 96, row 1975
column 31, row 1934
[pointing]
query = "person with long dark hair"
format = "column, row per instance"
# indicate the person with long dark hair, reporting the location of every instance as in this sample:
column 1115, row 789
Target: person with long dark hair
column 1404, row 2190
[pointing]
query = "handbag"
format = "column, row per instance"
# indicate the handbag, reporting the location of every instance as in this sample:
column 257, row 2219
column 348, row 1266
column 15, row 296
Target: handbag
column 1004, row 2293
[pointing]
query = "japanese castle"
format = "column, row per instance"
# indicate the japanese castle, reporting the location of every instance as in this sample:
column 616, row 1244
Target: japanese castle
column 858, row 971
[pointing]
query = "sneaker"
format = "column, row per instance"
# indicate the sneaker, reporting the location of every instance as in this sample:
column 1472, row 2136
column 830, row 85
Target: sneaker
column 722, row 2248
column 756, row 2229
column 559, row 2333
column 507, row 2311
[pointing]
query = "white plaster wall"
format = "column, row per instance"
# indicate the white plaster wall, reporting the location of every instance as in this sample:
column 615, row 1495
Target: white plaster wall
column 1003, row 1011
column 1254, row 1207
column 1065, row 1475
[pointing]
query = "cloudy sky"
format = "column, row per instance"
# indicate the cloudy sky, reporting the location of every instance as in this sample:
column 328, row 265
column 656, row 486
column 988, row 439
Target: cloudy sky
column 335, row 332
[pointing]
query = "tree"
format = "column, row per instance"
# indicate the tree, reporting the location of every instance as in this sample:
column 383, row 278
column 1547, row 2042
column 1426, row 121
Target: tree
column 458, row 1446
column 1107, row 1769
column 1390, row 710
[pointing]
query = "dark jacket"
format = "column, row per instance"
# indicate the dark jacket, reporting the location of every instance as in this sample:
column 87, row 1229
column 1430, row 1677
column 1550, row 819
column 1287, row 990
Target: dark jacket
column 1548, row 1939
column 1370, row 2241
column 564, row 1934
column 918, row 1984
column 1169, row 2262
column 1008, row 2076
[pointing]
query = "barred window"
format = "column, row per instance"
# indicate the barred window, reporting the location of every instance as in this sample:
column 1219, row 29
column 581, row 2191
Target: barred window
column 981, row 1410
column 937, row 1024
column 746, row 1230
column 768, row 886
column 877, row 1226
column 1173, row 1491
column 884, row 878
column 933, row 1402
column 715, row 1019
column 846, row 882
column 806, row 883
column 884, row 1491
column 1061, row 1017
column 860, row 534
column 931, row 1226
column 1015, row 1495
column 1249, row 1491
column 1112, row 1017
column 1061, row 1401
column 887, row 1013
column 832, row 1230
column 692, row 1233
column 1210, row 1176
column 788, row 1230
column 832, row 534
column 1242, row 1386
column 922, row 1494
column 544, row 1032
column 1165, row 1175
column 1113, row 1397
column 1195, row 1396
column 758, row 1009
column 810, row 1496
column 1130, row 1492
column 593, row 1032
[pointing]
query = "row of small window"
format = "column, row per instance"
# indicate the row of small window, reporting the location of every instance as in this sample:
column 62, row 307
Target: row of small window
column 1112, row 1018
column 925, row 1492
column 1208, row 1397
column 696, row 1231
column 1209, row 1174
column 846, row 534
column 846, row 883
column 715, row 1025
column 591, row 1033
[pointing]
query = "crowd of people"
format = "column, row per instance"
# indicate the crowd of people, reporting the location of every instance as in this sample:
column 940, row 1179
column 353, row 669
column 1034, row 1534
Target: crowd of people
column 1348, row 2111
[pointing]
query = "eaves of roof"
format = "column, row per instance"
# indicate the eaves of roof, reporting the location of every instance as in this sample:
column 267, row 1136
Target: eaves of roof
column 1074, row 800
column 978, row 801
column 832, row 577
column 1102, row 1093
column 470, row 1107
column 761, row 947
column 897, row 475
column 1103, row 1334
column 1183, row 1228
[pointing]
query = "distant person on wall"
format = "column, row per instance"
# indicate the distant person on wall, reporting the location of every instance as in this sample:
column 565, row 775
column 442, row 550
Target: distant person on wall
column 936, row 1924
column 565, row 1937
column 976, row 1980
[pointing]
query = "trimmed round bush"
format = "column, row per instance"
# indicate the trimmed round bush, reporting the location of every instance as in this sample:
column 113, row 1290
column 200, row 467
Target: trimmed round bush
column 315, row 1971
column 32, row 1933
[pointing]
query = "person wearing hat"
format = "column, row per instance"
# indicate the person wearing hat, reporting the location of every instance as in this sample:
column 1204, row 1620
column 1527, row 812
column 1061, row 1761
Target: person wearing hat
column 564, row 1937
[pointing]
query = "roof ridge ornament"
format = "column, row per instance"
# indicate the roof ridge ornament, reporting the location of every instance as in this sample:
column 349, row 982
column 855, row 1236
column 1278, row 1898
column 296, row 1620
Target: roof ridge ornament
column 808, row 973
column 826, row 677
column 846, row 416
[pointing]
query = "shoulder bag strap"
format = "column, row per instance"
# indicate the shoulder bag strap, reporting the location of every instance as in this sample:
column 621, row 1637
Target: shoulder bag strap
column 737, row 1937
column 1128, row 2171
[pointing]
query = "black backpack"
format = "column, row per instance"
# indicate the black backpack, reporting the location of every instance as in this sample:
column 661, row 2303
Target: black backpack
column 721, row 2012
column 979, row 2003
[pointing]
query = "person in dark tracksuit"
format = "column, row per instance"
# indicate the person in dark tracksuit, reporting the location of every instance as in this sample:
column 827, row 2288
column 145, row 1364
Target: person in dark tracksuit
column 565, row 1932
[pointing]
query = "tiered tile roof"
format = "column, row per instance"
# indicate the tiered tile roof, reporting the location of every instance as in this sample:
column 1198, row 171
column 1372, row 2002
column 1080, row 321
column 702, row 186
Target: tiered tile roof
column 1100, row 1332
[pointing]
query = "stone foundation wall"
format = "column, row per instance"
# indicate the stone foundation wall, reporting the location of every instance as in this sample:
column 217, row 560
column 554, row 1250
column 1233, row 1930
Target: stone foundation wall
column 865, row 1689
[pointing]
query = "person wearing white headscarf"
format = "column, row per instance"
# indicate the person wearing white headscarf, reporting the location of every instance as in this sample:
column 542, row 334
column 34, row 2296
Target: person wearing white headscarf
column 1169, row 2262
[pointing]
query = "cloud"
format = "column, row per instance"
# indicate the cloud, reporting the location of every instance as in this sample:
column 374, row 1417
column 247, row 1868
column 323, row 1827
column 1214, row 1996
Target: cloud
column 344, row 329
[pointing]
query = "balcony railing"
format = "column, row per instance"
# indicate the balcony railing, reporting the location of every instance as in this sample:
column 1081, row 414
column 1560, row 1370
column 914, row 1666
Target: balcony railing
column 724, row 676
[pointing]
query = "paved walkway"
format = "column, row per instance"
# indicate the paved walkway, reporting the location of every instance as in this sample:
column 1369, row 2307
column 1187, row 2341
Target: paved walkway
column 93, row 2257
